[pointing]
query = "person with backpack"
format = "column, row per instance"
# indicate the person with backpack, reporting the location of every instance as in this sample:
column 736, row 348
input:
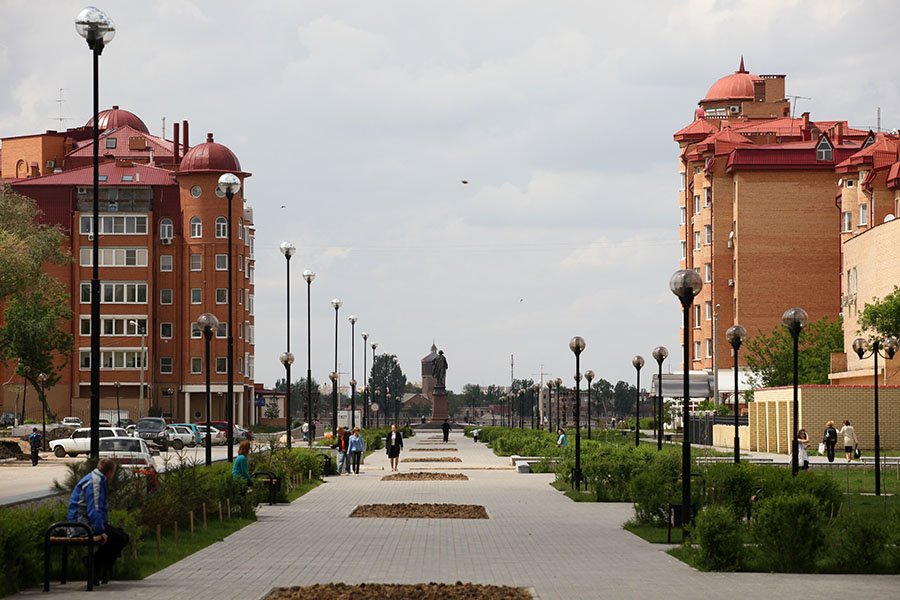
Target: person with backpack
column 35, row 441
column 830, row 440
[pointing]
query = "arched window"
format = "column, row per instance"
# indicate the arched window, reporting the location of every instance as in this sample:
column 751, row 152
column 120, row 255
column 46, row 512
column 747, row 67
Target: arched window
column 166, row 229
column 221, row 227
column 196, row 227
column 21, row 170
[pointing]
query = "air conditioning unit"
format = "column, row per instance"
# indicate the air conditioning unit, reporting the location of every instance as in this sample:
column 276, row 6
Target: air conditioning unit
column 90, row 237
column 731, row 283
column 735, row 110
column 730, row 244
column 51, row 164
column 82, row 190
column 166, row 241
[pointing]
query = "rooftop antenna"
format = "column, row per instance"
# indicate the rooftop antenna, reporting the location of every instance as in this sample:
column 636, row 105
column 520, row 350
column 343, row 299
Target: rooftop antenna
column 163, row 136
column 794, row 103
column 878, row 118
column 61, row 118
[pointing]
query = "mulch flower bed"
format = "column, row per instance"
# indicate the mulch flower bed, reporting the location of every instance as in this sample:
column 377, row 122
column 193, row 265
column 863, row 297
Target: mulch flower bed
column 420, row 511
column 433, row 450
column 435, row 459
column 418, row 591
column 420, row 476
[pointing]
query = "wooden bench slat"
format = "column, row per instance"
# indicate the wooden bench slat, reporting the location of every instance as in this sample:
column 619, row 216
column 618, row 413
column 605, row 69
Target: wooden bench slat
column 73, row 540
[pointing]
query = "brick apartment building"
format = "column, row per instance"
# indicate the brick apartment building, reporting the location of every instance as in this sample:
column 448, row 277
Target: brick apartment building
column 163, row 254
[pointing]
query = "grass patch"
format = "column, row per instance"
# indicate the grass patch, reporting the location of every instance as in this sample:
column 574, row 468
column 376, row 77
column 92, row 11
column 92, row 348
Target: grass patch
column 652, row 534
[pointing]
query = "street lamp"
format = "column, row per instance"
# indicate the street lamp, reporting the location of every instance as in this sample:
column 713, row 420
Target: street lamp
column 686, row 284
column 660, row 353
column 336, row 303
column 890, row 347
column 377, row 401
column 735, row 336
column 638, row 363
column 535, row 407
column 550, row 405
column 118, row 412
column 352, row 320
column 42, row 377
column 795, row 320
column 365, row 402
column 576, row 345
column 310, row 423
column 560, row 421
column 589, row 375
column 208, row 324
column 374, row 345
column 230, row 185
column 287, row 359
column 98, row 30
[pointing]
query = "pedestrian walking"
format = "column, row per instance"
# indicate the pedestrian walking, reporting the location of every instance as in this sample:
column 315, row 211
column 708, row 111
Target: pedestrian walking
column 356, row 446
column 394, row 444
column 851, row 443
column 304, row 429
column 339, row 442
column 446, row 429
column 36, row 442
column 830, row 439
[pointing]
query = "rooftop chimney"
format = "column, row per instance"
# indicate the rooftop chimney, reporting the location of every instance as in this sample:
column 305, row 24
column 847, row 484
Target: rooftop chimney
column 176, row 137
column 209, row 138
column 187, row 146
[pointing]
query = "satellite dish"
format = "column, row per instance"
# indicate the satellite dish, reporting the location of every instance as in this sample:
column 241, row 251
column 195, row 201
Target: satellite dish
column 841, row 182
column 889, row 218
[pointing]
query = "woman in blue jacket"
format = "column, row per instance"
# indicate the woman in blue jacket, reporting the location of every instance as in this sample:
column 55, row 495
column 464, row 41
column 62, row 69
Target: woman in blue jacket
column 355, row 446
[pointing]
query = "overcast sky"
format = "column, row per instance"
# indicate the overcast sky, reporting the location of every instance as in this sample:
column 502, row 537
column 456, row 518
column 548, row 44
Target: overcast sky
column 362, row 118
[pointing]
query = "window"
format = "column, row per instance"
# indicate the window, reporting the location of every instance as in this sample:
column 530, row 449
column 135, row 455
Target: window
column 250, row 272
column 196, row 227
column 683, row 215
column 221, row 364
column 196, row 295
column 115, row 326
column 196, row 261
column 165, row 296
column 127, row 178
column 240, row 228
column 823, row 149
column 240, row 366
column 849, row 183
column 696, row 350
column 111, row 143
column 221, row 227
column 196, row 365
column 863, row 214
column 166, row 229
column 240, row 262
column 113, row 359
column 165, row 365
column 696, row 315
column 707, row 272
column 222, row 330
column 847, row 222
column 707, row 196
column 709, row 311
column 116, row 293
column 221, row 295
column 165, row 330
column 250, row 304
column 696, row 203
column 709, row 348
column 221, row 262
column 682, row 180
column 683, row 249
column 165, row 262
column 251, row 334
column 196, row 332
column 240, row 331
column 85, row 326
column 249, row 361
column 707, row 234
column 115, row 225
column 696, row 241
column 115, row 257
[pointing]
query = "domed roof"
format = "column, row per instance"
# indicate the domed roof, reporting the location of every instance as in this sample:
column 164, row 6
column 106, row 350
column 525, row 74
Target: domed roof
column 117, row 117
column 210, row 156
column 738, row 85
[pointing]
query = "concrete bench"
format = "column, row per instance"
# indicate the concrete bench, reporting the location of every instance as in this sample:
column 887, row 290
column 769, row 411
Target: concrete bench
column 523, row 463
column 892, row 461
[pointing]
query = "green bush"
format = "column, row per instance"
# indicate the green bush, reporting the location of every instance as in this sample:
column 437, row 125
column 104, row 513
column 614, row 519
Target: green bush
column 857, row 543
column 721, row 539
column 653, row 488
column 732, row 486
column 21, row 544
column 790, row 530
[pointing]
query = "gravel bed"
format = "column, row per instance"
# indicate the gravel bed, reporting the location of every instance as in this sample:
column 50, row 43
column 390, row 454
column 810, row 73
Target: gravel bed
column 435, row 459
column 418, row 591
column 433, row 450
column 420, row 511
column 420, row 476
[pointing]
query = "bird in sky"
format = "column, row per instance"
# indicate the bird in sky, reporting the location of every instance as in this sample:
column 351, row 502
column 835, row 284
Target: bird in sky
column 465, row 182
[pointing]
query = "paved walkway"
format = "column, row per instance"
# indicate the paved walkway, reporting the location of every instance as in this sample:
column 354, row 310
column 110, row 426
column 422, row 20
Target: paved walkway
column 535, row 538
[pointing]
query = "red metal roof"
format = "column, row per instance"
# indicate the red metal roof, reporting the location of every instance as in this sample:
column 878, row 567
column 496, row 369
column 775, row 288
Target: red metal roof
column 117, row 117
column 799, row 155
column 879, row 155
column 140, row 175
column 699, row 129
column 893, row 179
column 163, row 150
column 737, row 86
column 210, row 156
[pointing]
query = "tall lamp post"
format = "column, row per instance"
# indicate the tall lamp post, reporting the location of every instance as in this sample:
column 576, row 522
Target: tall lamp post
column 98, row 30
column 577, row 345
column 890, row 347
column 660, row 354
column 559, row 419
column 336, row 303
column 352, row 320
column 686, row 284
column 118, row 412
column 374, row 346
column 735, row 336
column 309, row 276
column 589, row 375
column 42, row 377
column 287, row 359
column 377, row 402
column 550, row 406
column 795, row 320
column 230, row 185
column 638, row 363
column 365, row 399
column 208, row 324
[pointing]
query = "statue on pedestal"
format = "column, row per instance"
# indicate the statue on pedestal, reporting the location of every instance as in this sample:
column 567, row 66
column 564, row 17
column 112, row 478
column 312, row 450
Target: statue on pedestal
column 439, row 370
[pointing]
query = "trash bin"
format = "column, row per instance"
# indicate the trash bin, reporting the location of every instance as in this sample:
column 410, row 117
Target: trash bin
column 328, row 468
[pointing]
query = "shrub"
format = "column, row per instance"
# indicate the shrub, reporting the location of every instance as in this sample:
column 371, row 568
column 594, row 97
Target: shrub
column 721, row 539
column 857, row 543
column 653, row 489
column 732, row 486
column 21, row 544
column 790, row 530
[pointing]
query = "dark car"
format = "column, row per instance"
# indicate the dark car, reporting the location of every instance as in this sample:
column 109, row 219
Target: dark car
column 7, row 419
column 153, row 429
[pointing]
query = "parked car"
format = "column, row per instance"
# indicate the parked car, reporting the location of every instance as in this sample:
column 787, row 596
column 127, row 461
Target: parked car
column 223, row 426
column 130, row 429
column 242, row 434
column 80, row 441
column 198, row 440
column 8, row 419
column 218, row 436
column 72, row 422
column 153, row 429
column 179, row 437
column 124, row 423
column 133, row 454
column 103, row 422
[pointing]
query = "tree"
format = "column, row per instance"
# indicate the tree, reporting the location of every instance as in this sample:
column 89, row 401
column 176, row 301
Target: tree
column 299, row 396
column 32, row 334
column 624, row 395
column 387, row 378
column 770, row 358
column 413, row 387
column 603, row 393
column 882, row 316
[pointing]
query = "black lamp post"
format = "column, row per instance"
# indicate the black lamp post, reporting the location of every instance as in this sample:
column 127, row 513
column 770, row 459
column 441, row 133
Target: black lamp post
column 638, row 363
column 98, row 30
column 686, row 284
column 890, row 347
column 576, row 345
column 735, row 336
column 287, row 359
column 550, row 406
column 535, row 406
column 336, row 303
column 208, row 324
column 309, row 276
column 374, row 346
column 795, row 320
column 352, row 320
column 42, row 377
column 118, row 412
column 589, row 375
column 377, row 402
column 230, row 185
column 365, row 399
column 559, row 419
column 660, row 353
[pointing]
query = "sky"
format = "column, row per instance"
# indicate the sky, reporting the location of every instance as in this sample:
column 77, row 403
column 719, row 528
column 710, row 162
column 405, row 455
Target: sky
column 360, row 120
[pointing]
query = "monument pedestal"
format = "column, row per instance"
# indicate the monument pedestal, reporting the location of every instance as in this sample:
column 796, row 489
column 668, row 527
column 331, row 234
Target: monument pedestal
column 439, row 405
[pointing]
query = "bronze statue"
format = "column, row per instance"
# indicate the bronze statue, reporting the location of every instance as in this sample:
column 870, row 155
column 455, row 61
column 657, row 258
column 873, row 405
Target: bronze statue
column 439, row 369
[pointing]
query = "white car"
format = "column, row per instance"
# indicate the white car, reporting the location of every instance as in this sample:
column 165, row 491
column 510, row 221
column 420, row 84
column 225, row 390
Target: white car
column 80, row 441
column 218, row 436
column 180, row 436
column 71, row 422
column 127, row 452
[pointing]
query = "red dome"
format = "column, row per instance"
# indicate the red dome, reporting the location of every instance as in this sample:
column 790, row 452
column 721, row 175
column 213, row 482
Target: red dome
column 738, row 85
column 116, row 117
column 210, row 156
